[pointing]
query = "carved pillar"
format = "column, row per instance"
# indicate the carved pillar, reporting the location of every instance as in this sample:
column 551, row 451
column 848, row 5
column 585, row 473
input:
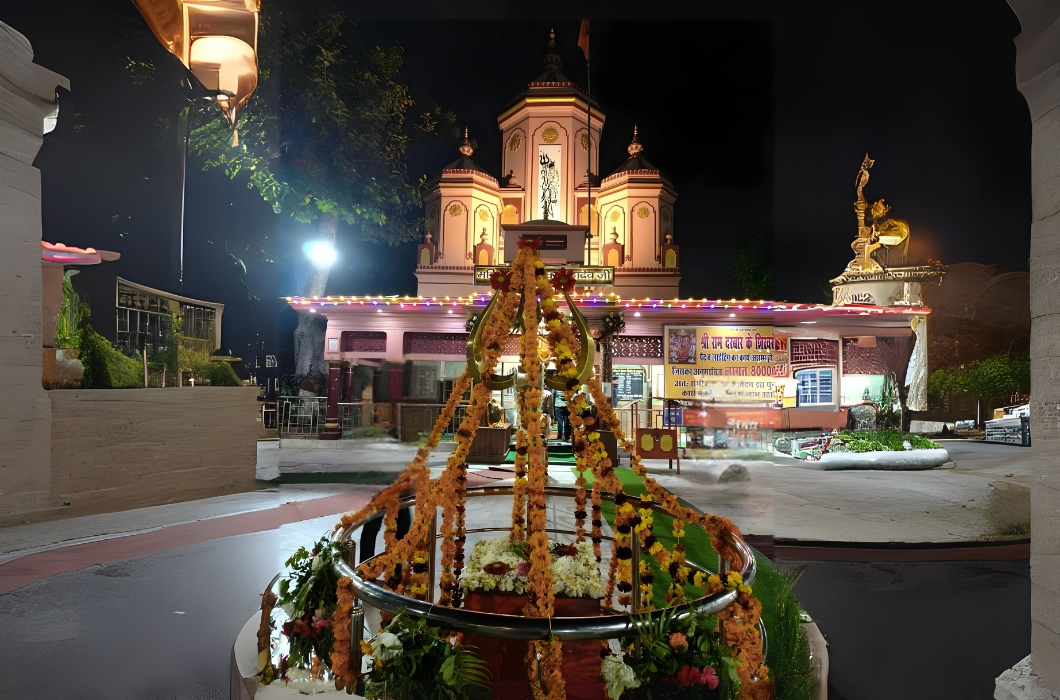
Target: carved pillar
column 347, row 383
column 332, row 431
column 1037, row 77
column 28, row 110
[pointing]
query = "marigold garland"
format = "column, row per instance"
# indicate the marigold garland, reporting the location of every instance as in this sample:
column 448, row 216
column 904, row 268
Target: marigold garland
column 528, row 282
column 345, row 677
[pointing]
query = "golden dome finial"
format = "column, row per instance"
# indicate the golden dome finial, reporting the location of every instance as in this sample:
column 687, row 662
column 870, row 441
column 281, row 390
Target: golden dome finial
column 465, row 147
column 552, row 39
column 635, row 146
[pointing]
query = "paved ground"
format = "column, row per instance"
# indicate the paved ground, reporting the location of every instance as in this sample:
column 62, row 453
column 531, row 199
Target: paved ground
column 938, row 631
column 984, row 493
column 983, row 497
column 166, row 589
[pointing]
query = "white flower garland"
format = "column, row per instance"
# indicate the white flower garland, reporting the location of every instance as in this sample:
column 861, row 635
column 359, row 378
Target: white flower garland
column 575, row 576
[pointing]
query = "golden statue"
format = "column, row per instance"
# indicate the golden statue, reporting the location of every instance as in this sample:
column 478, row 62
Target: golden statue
column 874, row 228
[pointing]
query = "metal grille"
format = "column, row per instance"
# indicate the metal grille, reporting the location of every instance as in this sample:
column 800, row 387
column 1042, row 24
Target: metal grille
column 638, row 346
column 817, row 352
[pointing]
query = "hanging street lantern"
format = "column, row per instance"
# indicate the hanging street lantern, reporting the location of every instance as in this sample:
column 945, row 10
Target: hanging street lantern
column 217, row 40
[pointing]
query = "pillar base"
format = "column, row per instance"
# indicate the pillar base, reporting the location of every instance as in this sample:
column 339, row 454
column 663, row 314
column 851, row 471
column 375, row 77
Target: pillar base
column 1020, row 683
column 331, row 435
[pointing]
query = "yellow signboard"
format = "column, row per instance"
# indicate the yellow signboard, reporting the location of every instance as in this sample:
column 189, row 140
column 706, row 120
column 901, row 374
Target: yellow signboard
column 724, row 364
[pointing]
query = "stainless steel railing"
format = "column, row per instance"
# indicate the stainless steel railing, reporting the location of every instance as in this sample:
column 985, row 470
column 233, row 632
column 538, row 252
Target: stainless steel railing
column 610, row 626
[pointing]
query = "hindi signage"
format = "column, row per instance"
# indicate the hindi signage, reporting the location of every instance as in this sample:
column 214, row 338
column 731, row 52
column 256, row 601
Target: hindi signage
column 584, row 275
column 724, row 364
column 629, row 384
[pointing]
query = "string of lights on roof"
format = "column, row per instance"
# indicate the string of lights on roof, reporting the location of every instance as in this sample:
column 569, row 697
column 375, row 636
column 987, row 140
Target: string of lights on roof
column 611, row 299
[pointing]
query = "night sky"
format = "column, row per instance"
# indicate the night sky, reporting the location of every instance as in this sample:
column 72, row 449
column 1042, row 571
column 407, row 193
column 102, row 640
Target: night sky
column 760, row 117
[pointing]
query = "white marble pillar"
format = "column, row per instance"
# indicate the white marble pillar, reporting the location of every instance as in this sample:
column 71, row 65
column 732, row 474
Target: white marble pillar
column 1038, row 78
column 28, row 109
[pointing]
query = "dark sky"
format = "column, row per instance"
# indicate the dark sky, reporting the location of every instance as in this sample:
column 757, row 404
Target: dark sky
column 760, row 116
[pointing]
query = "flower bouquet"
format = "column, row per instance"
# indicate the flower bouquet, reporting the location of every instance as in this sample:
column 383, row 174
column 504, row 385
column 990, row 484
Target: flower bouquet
column 308, row 599
column 502, row 566
column 678, row 658
column 410, row 660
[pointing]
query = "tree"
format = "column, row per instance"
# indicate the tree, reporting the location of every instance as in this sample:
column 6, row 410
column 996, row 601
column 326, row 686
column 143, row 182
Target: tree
column 753, row 267
column 325, row 138
column 995, row 381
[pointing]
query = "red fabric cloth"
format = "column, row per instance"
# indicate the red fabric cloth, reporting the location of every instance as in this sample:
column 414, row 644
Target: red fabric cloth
column 507, row 657
column 583, row 38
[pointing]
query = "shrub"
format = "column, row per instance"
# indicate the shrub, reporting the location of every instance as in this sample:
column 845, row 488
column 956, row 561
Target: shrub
column 105, row 367
column 218, row 374
column 891, row 440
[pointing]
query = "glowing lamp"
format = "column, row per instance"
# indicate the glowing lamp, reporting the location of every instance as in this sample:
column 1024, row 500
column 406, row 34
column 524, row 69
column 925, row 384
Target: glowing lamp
column 320, row 253
column 217, row 40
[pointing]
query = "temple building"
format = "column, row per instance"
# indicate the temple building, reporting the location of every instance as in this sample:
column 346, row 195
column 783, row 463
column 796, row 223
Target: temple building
column 823, row 359
column 550, row 138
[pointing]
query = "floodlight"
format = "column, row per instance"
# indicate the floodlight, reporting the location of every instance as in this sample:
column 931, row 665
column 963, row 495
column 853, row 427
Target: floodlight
column 320, row 253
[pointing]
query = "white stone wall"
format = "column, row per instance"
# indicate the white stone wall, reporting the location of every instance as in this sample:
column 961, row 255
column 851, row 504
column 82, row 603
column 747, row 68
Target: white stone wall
column 1038, row 78
column 27, row 111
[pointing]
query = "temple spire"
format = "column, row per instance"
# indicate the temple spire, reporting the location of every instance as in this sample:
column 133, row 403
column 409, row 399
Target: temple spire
column 635, row 146
column 465, row 147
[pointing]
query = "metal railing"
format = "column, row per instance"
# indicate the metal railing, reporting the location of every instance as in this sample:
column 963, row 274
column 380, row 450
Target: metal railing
column 529, row 628
column 416, row 418
column 303, row 416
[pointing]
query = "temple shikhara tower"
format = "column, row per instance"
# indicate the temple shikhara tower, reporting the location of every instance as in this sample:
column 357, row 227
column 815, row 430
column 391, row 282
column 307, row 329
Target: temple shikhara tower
column 548, row 174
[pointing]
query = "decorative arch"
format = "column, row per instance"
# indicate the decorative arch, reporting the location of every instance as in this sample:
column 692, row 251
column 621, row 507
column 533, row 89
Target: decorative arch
column 584, row 158
column 552, row 138
column 484, row 235
column 594, row 221
column 454, row 209
column 516, row 146
column 643, row 226
column 614, row 221
column 431, row 221
column 510, row 214
column 666, row 223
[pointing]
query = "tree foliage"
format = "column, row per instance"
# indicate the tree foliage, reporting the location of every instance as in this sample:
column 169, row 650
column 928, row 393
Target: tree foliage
column 995, row 380
column 753, row 267
column 327, row 129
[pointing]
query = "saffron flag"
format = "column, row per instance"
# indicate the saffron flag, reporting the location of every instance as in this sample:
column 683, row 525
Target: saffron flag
column 583, row 38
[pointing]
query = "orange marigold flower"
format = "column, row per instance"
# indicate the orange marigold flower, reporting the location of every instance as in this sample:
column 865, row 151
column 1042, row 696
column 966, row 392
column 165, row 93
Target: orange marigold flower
column 678, row 641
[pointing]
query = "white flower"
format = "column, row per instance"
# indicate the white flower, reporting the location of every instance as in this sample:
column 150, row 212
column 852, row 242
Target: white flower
column 297, row 674
column 317, row 562
column 386, row 646
column 576, row 576
column 617, row 676
column 288, row 610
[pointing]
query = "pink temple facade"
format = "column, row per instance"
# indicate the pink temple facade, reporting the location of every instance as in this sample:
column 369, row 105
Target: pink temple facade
column 834, row 356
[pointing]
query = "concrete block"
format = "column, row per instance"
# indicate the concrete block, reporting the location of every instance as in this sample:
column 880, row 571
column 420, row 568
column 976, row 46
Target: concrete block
column 1045, row 657
column 1021, row 683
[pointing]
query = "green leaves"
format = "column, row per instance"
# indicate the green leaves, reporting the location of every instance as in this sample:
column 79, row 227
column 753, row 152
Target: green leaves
column 328, row 132
column 995, row 380
column 428, row 666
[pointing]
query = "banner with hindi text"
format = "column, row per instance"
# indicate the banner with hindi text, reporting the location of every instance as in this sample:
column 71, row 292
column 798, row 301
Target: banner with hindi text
column 724, row 364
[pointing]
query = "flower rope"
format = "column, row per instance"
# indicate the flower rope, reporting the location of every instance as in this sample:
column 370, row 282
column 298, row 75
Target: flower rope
column 345, row 677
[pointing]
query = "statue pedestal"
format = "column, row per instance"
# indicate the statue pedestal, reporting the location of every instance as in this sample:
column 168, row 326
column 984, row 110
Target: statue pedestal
column 507, row 657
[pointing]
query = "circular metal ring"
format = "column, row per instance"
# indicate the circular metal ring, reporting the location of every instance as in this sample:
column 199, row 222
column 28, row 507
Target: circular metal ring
column 606, row 626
